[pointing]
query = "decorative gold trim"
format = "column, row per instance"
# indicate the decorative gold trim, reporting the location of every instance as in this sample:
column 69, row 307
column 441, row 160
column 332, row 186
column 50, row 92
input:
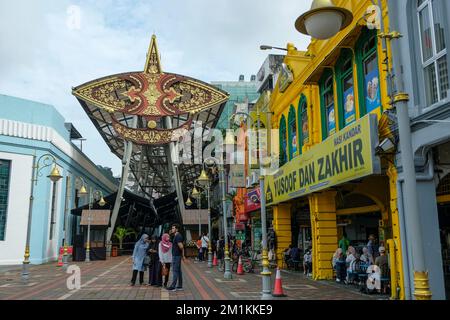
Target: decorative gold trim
column 421, row 285
column 401, row 97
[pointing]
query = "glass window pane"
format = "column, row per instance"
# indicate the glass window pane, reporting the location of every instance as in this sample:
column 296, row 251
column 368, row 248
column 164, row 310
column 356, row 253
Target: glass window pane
column 425, row 33
column 430, row 84
column 438, row 17
column 443, row 76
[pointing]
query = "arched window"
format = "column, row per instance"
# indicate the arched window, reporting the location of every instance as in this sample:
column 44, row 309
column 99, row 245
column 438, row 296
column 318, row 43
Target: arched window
column 327, row 104
column 431, row 18
column 368, row 72
column 292, row 130
column 346, row 88
column 303, row 128
column 283, row 142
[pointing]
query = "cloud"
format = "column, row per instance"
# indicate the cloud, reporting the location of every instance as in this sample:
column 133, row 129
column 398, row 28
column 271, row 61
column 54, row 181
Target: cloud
column 42, row 57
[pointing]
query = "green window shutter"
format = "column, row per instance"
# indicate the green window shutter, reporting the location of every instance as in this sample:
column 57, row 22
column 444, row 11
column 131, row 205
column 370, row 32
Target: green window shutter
column 326, row 102
column 367, row 58
column 345, row 89
column 292, row 133
column 303, row 129
column 283, row 142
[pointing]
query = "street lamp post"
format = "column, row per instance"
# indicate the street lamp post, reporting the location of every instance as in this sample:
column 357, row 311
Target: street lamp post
column 204, row 180
column 102, row 202
column 265, row 273
column 81, row 192
column 35, row 174
column 195, row 193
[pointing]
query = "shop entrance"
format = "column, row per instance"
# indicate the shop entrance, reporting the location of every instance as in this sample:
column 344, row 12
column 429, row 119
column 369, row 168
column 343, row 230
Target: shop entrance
column 443, row 197
column 301, row 226
column 358, row 217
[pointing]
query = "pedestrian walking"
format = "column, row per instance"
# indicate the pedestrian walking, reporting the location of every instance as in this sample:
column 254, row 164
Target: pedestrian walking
column 205, row 241
column 199, row 248
column 165, row 257
column 155, row 277
column 139, row 253
column 177, row 256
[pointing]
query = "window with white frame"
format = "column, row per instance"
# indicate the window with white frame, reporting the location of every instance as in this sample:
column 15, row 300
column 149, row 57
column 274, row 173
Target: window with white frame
column 431, row 19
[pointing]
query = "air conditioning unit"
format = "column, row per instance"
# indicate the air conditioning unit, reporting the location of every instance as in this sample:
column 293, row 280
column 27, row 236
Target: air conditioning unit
column 254, row 178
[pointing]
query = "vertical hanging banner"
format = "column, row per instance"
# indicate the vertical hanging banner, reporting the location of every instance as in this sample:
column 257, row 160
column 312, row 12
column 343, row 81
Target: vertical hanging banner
column 372, row 91
column 343, row 157
column 349, row 106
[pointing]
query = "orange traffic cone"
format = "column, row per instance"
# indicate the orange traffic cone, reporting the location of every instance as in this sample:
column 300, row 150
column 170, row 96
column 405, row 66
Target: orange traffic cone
column 240, row 270
column 215, row 260
column 60, row 260
column 278, row 291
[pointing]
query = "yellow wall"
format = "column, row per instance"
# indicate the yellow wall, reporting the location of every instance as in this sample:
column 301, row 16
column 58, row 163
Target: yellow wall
column 324, row 233
column 282, row 228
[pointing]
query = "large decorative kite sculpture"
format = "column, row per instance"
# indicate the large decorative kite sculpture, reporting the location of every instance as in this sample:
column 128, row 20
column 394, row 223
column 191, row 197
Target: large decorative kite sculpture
column 151, row 94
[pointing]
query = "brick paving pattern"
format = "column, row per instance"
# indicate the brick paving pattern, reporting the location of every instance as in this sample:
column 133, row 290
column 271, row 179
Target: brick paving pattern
column 110, row 279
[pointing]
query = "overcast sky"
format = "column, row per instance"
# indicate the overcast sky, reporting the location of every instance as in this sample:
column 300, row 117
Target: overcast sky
column 46, row 48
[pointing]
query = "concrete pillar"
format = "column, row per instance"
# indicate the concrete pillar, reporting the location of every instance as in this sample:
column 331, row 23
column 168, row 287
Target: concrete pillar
column 282, row 228
column 324, row 233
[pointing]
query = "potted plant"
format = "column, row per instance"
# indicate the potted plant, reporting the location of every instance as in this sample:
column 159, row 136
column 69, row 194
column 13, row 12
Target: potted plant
column 121, row 233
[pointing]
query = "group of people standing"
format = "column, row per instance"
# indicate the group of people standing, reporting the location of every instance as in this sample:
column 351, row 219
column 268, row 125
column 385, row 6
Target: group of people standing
column 159, row 257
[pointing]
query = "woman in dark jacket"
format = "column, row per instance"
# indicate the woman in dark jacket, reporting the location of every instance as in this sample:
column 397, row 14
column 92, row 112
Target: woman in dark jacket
column 155, row 278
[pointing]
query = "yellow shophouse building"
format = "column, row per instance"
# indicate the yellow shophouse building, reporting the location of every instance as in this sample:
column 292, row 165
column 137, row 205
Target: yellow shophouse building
column 328, row 107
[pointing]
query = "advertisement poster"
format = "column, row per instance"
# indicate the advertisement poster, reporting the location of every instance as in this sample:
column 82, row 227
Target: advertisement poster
column 349, row 106
column 305, row 129
column 253, row 201
column 331, row 120
column 294, row 142
column 372, row 87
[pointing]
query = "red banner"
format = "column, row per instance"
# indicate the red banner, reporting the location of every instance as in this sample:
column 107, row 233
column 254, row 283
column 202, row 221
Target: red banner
column 253, row 200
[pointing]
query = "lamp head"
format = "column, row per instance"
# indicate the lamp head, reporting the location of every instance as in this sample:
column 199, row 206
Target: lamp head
column 203, row 179
column 102, row 202
column 324, row 20
column 55, row 176
column 195, row 192
column 188, row 202
column 82, row 191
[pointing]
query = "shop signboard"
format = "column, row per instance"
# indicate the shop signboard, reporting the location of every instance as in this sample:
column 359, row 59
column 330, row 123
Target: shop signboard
column 240, row 235
column 253, row 200
column 343, row 157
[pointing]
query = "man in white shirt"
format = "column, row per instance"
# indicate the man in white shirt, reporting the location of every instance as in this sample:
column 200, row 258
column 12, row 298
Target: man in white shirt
column 205, row 241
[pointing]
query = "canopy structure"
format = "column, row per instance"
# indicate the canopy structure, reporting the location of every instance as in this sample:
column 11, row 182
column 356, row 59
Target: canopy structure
column 147, row 108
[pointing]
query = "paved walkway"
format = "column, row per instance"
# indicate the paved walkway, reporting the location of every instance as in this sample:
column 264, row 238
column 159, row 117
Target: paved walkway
column 109, row 280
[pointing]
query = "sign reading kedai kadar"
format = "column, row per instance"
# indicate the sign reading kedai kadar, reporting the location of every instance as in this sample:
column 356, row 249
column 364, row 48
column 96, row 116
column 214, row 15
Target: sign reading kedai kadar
column 345, row 156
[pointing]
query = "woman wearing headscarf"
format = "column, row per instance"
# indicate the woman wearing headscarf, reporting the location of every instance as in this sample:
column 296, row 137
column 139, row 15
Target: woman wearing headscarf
column 165, row 256
column 155, row 266
column 139, row 253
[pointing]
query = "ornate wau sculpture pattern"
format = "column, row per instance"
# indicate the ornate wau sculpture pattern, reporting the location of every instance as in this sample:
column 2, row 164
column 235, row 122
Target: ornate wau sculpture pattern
column 151, row 94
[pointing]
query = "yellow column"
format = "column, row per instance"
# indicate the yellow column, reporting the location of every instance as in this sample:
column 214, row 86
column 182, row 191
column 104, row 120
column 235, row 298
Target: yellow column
column 282, row 228
column 324, row 233
column 392, row 174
